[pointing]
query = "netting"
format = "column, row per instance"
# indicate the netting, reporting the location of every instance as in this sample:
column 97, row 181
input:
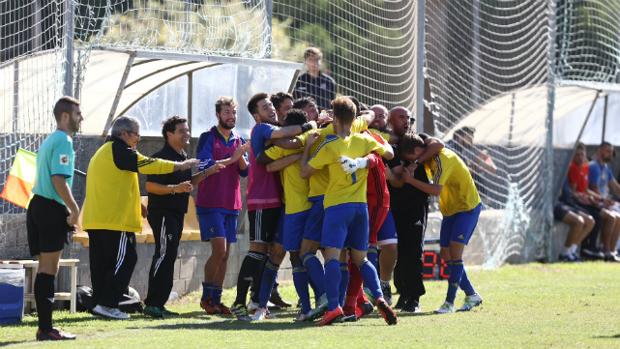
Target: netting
column 487, row 62
column 31, row 76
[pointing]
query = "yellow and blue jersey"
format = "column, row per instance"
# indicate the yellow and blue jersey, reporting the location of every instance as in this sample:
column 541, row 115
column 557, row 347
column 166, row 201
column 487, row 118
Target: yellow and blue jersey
column 459, row 193
column 295, row 187
column 342, row 187
column 319, row 180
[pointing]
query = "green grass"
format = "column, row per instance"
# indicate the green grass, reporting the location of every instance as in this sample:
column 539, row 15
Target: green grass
column 525, row 306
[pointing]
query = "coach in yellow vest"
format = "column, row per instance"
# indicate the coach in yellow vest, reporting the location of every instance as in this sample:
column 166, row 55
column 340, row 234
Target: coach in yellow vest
column 112, row 211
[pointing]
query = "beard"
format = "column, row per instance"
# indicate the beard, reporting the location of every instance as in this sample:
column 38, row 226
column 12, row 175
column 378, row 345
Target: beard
column 226, row 126
column 74, row 126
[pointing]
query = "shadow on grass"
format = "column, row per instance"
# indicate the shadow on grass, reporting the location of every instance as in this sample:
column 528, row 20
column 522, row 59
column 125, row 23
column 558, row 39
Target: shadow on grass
column 232, row 325
column 4, row 344
column 615, row 336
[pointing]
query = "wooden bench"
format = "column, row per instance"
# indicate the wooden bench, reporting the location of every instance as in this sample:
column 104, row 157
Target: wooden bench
column 191, row 228
column 31, row 267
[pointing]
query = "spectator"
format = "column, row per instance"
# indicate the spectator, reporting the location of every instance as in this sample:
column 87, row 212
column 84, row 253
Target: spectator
column 113, row 213
column 602, row 182
column 314, row 83
column 579, row 221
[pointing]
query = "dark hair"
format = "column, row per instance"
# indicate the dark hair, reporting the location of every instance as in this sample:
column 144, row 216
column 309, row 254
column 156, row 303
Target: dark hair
column 605, row 144
column 253, row 103
column 279, row 98
column 295, row 117
column 222, row 101
column 580, row 146
column 409, row 141
column 357, row 104
column 64, row 105
column 301, row 103
column 465, row 130
column 170, row 125
column 344, row 109
column 312, row 51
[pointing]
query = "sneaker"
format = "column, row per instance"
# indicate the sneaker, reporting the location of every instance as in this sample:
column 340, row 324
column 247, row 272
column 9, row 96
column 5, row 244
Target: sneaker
column 592, row 253
column 365, row 309
column 301, row 317
column 262, row 314
column 320, row 308
column 412, row 306
column 241, row 312
column 111, row 313
column 54, row 335
column 471, row 302
column 566, row 257
column 277, row 300
column 153, row 311
column 612, row 258
column 386, row 312
column 331, row 316
column 167, row 312
column 224, row 310
column 209, row 308
column 402, row 300
column 387, row 293
column 445, row 308
column 252, row 306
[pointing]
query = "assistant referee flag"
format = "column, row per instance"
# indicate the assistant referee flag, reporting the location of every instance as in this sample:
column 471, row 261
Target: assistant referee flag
column 19, row 183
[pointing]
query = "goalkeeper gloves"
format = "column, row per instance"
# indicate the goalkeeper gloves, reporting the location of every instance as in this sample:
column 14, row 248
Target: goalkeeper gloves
column 351, row 165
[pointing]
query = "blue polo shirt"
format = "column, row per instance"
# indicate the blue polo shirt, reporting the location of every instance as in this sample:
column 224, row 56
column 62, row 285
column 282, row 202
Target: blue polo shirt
column 55, row 158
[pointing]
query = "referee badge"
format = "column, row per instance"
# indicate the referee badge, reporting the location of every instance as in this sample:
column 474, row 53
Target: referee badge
column 64, row 159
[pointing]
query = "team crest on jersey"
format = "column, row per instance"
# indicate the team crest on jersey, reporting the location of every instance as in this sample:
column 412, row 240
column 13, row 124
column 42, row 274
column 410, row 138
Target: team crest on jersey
column 64, row 159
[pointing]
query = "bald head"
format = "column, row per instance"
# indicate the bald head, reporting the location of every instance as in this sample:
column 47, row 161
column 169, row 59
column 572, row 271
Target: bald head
column 380, row 121
column 399, row 120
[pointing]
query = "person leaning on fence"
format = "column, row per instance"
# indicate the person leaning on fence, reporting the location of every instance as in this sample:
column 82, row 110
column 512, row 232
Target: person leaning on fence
column 112, row 211
column 52, row 212
column 315, row 83
column 167, row 206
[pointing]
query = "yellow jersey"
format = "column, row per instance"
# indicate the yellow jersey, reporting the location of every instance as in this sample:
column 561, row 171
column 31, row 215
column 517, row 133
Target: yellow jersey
column 342, row 187
column 318, row 181
column 295, row 187
column 384, row 135
column 459, row 193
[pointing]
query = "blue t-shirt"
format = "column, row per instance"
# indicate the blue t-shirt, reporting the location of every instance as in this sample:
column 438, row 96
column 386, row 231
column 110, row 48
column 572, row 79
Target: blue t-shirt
column 261, row 133
column 55, row 157
column 599, row 174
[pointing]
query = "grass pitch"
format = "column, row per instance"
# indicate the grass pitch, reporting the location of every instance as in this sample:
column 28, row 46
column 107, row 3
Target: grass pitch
column 525, row 306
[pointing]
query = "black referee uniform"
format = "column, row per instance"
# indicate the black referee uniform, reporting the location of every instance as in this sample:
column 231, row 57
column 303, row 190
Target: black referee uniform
column 165, row 216
column 321, row 88
column 409, row 207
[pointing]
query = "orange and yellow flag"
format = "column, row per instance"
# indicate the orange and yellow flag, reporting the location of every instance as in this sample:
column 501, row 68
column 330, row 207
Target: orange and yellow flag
column 19, row 183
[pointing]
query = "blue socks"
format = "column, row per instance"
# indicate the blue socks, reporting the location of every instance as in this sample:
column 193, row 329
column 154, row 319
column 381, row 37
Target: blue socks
column 456, row 273
column 207, row 291
column 332, row 283
column 344, row 282
column 315, row 271
column 268, row 280
column 373, row 256
column 371, row 279
column 216, row 295
column 466, row 285
column 300, row 280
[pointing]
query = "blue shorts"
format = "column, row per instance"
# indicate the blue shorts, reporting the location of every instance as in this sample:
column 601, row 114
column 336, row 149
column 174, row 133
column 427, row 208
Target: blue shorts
column 314, row 222
column 346, row 225
column 459, row 227
column 387, row 232
column 293, row 230
column 218, row 223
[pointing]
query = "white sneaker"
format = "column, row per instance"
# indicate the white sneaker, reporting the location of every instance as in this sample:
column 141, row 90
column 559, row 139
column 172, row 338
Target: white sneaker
column 445, row 308
column 112, row 313
column 252, row 307
column 471, row 302
column 262, row 314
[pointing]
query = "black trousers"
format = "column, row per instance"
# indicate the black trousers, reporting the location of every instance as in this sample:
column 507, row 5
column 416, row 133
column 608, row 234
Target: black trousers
column 112, row 260
column 167, row 230
column 410, row 227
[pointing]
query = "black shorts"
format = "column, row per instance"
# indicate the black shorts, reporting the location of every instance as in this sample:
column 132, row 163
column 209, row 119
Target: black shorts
column 561, row 209
column 46, row 221
column 264, row 224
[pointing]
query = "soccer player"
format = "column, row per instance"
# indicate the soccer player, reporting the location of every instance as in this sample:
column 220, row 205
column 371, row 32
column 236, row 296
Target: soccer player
column 460, row 206
column 167, row 205
column 264, row 209
column 52, row 213
column 308, row 105
column 218, row 200
column 314, row 83
column 345, row 223
column 297, row 209
column 283, row 102
column 113, row 211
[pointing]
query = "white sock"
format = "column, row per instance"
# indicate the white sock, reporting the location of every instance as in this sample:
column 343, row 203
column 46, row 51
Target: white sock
column 573, row 249
column 567, row 251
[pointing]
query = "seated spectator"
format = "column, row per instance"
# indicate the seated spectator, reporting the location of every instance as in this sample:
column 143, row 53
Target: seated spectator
column 602, row 182
column 579, row 221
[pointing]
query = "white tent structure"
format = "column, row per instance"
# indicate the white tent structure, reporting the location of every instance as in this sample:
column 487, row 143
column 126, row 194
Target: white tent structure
column 148, row 85
column 508, row 119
